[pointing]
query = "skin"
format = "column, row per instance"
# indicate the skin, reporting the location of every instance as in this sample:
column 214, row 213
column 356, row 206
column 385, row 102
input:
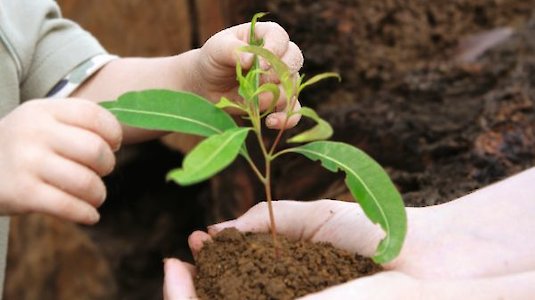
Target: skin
column 59, row 149
column 476, row 247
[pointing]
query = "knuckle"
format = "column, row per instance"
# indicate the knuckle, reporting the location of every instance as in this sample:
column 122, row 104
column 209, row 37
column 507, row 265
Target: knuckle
column 25, row 191
column 90, row 110
column 30, row 157
column 278, row 28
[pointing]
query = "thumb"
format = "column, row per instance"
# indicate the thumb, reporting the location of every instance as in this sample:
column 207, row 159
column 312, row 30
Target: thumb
column 178, row 280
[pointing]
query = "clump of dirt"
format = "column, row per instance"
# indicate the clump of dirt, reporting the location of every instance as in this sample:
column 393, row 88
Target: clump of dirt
column 239, row 265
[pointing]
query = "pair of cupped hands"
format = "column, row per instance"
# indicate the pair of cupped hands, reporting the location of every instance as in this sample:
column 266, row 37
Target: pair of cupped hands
column 475, row 247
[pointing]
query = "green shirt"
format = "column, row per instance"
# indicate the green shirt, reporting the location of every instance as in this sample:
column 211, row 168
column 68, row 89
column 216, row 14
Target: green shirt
column 37, row 49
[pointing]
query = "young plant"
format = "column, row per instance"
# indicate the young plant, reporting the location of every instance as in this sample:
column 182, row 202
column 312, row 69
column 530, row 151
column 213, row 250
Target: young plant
column 225, row 140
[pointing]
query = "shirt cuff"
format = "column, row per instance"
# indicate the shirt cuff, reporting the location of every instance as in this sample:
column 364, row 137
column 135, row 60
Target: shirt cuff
column 78, row 75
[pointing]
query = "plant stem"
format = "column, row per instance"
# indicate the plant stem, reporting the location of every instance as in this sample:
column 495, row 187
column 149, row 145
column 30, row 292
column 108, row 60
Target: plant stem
column 281, row 131
column 266, row 180
column 269, row 200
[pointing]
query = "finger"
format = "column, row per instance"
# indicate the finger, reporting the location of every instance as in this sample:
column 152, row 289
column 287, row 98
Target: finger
column 277, row 120
column 293, row 58
column 73, row 178
column 223, row 46
column 84, row 147
column 196, row 241
column 341, row 223
column 90, row 116
column 53, row 201
column 178, row 280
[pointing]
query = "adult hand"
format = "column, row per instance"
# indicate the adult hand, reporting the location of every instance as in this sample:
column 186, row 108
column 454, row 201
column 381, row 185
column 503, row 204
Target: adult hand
column 52, row 156
column 215, row 70
column 475, row 247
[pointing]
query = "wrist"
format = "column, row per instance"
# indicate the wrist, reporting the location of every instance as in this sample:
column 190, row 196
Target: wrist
column 186, row 67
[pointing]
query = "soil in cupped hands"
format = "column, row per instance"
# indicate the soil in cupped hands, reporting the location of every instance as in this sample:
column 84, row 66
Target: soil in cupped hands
column 239, row 265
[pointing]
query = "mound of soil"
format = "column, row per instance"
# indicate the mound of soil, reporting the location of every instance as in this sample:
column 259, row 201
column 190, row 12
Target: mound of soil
column 441, row 126
column 239, row 265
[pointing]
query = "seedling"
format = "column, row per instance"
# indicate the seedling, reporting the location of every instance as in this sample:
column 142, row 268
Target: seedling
column 225, row 140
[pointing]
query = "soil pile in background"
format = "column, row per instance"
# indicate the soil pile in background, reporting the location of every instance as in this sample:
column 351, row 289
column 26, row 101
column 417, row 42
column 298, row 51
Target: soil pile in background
column 440, row 126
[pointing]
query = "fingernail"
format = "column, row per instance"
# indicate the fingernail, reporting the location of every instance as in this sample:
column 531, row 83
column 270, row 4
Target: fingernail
column 272, row 122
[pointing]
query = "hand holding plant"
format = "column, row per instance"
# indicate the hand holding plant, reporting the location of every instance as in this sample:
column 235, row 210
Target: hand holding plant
column 214, row 71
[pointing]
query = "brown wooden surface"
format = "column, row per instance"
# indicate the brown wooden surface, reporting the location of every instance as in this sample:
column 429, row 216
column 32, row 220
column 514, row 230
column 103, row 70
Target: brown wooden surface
column 134, row 27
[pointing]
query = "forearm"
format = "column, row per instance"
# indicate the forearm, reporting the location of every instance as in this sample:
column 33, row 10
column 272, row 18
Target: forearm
column 487, row 231
column 131, row 74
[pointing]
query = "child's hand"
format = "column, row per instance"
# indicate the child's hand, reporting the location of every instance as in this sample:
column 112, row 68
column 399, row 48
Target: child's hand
column 215, row 70
column 52, row 156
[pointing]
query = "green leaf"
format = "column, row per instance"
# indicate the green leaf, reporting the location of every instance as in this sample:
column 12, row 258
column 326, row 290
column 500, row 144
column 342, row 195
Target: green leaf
column 321, row 131
column 278, row 65
column 209, row 157
column 318, row 78
column 372, row 188
column 225, row 102
column 252, row 35
column 170, row 111
column 280, row 68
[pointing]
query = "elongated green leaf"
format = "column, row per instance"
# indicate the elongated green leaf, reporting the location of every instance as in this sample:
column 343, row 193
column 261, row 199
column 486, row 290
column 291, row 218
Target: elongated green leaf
column 170, row 111
column 372, row 188
column 209, row 157
column 225, row 102
column 318, row 78
column 321, row 131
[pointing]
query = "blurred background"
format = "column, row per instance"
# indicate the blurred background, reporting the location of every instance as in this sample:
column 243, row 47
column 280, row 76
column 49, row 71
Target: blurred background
column 441, row 93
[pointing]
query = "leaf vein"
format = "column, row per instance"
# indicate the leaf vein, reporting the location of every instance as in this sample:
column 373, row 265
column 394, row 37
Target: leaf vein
column 215, row 129
column 347, row 169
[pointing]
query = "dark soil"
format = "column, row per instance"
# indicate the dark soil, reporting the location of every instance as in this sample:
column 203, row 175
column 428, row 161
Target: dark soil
column 244, row 266
column 441, row 126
